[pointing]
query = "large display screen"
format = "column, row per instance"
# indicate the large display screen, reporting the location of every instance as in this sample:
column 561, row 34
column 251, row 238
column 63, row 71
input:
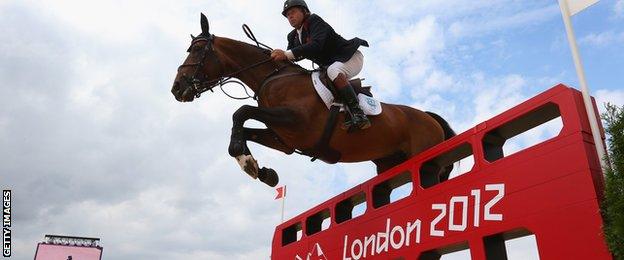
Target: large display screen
column 60, row 252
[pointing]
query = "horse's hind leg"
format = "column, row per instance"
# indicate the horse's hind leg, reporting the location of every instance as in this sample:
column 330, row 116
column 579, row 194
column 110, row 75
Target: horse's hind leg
column 385, row 163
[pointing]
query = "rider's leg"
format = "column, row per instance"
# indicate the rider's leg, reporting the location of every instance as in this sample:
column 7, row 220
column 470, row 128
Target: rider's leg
column 345, row 90
column 340, row 73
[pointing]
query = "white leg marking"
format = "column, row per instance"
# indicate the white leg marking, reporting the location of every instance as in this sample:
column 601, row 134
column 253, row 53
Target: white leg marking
column 248, row 164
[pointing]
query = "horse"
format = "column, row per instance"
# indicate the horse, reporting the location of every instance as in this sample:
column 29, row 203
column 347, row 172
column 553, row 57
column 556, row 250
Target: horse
column 292, row 111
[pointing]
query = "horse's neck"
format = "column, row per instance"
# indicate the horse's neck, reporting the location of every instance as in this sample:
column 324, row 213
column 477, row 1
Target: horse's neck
column 239, row 55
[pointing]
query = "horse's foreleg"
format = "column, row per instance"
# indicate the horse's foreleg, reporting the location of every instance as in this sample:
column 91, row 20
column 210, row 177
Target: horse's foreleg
column 273, row 116
column 268, row 138
column 250, row 166
column 238, row 147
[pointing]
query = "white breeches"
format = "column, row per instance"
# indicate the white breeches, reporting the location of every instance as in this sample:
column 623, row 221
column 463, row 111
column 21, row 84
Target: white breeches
column 349, row 68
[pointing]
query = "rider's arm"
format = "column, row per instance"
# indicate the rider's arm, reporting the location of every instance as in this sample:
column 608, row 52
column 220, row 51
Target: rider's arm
column 319, row 30
column 291, row 43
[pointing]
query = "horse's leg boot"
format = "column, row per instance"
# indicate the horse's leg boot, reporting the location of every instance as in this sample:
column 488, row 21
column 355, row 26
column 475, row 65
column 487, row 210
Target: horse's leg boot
column 237, row 143
column 358, row 118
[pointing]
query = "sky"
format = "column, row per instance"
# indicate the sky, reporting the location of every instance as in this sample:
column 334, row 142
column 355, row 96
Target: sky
column 92, row 143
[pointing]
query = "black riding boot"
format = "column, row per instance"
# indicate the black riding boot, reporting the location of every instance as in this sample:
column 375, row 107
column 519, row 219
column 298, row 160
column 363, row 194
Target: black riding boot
column 358, row 119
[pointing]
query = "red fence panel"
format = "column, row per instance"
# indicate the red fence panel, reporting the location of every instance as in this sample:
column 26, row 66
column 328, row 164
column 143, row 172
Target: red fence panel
column 551, row 190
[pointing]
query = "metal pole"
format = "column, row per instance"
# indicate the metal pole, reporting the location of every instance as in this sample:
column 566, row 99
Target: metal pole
column 589, row 108
column 283, row 199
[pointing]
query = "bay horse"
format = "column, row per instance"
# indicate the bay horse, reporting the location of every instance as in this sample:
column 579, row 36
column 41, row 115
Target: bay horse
column 292, row 111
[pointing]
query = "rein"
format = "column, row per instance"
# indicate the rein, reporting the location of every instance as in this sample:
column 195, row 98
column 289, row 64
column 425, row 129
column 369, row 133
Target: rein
column 200, row 86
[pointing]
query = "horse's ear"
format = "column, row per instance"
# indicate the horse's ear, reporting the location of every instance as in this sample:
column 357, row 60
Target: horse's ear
column 204, row 25
column 192, row 37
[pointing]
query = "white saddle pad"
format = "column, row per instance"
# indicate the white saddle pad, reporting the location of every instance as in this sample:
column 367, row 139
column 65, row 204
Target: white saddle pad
column 369, row 105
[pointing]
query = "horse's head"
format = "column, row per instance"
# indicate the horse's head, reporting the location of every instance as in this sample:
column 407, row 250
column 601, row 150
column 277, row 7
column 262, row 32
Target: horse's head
column 201, row 70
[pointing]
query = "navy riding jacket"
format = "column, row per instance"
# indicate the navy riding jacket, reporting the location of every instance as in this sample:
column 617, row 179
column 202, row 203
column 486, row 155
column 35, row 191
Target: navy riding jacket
column 321, row 43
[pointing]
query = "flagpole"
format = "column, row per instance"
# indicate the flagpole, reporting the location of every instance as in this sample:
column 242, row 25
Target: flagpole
column 589, row 108
column 283, row 199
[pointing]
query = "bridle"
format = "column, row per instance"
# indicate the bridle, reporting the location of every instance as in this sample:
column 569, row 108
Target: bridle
column 199, row 84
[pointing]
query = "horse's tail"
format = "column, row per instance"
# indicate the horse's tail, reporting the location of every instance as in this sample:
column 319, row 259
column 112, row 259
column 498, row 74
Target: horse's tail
column 448, row 131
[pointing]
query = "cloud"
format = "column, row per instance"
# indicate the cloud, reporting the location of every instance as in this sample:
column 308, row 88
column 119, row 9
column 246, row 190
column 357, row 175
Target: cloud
column 603, row 39
column 447, row 9
column 410, row 51
column 603, row 96
column 497, row 95
column 437, row 81
column 94, row 145
column 478, row 27
column 437, row 104
column 618, row 8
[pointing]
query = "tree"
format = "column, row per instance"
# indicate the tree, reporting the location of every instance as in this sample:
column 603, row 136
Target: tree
column 613, row 204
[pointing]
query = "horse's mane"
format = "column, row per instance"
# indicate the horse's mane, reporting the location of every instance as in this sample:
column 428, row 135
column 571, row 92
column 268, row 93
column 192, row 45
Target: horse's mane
column 265, row 52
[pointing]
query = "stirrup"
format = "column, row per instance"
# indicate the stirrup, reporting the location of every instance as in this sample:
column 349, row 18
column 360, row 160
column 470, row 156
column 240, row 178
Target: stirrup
column 363, row 123
column 347, row 125
column 366, row 123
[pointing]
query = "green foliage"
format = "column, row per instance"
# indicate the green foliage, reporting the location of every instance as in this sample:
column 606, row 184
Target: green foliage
column 613, row 205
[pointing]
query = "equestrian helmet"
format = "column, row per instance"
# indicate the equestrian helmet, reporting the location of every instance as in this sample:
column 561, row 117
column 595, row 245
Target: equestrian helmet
column 292, row 3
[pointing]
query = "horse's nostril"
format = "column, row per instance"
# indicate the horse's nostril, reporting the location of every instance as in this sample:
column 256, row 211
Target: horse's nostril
column 176, row 86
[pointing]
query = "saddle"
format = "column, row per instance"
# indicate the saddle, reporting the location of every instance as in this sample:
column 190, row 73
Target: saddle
column 355, row 83
column 321, row 149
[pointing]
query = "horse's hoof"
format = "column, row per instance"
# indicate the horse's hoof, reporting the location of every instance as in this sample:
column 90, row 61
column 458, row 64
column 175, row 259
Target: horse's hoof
column 236, row 148
column 248, row 164
column 268, row 176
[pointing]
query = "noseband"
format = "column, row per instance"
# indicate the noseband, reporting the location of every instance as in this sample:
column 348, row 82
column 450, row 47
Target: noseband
column 202, row 85
column 199, row 85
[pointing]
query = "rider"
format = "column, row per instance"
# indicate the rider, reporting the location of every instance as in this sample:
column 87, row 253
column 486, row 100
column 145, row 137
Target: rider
column 316, row 40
